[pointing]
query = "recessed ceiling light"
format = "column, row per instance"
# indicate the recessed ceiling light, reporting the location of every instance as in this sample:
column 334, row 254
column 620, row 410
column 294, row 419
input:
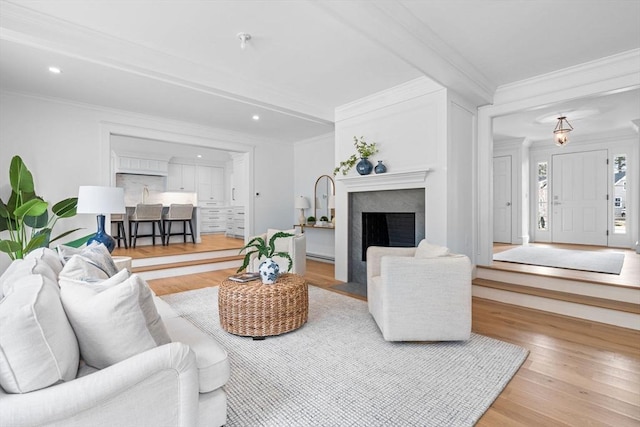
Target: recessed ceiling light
column 199, row 156
column 255, row 117
column 55, row 70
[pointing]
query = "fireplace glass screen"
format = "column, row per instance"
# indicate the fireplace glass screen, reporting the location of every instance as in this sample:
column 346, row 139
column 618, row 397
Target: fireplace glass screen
column 388, row 229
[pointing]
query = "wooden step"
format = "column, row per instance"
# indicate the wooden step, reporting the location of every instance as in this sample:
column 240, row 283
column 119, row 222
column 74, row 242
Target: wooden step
column 172, row 266
column 157, row 267
column 628, row 307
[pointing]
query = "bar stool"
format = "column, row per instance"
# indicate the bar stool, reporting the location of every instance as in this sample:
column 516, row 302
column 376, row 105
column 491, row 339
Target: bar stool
column 118, row 220
column 180, row 213
column 146, row 213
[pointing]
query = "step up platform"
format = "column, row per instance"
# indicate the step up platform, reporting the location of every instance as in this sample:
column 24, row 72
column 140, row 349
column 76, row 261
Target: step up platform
column 188, row 263
column 558, row 292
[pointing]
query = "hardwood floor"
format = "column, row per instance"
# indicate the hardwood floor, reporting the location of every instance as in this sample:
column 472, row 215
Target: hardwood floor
column 578, row 372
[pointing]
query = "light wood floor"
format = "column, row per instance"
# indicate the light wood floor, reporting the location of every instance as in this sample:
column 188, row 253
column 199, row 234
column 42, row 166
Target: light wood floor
column 578, row 373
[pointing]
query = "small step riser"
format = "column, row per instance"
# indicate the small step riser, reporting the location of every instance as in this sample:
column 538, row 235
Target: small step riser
column 594, row 314
column 576, row 287
column 172, row 259
column 191, row 269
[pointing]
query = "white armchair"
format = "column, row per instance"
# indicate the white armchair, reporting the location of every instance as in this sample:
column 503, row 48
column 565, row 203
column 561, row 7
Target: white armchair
column 296, row 246
column 419, row 294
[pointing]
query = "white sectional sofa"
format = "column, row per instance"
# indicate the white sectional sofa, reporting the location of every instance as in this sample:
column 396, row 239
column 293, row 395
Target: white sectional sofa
column 84, row 345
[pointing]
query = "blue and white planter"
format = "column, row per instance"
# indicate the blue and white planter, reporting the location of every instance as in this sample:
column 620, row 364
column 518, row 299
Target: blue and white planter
column 269, row 271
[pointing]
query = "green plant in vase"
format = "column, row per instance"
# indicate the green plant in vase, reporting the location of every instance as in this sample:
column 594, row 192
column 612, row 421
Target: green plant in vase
column 364, row 151
column 269, row 269
column 25, row 216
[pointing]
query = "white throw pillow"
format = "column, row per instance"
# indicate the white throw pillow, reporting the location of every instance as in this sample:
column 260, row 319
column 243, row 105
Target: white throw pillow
column 99, row 285
column 428, row 250
column 26, row 267
column 97, row 253
column 80, row 268
column 113, row 323
column 47, row 255
column 37, row 345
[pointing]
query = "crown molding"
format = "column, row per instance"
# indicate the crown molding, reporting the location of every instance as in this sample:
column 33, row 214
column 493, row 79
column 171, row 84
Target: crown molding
column 622, row 70
column 394, row 95
column 413, row 41
column 25, row 26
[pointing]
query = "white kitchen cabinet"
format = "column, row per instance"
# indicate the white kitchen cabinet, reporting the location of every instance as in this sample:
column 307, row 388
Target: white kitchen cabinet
column 210, row 183
column 141, row 166
column 213, row 217
column 235, row 222
column 181, row 177
column 238, row 182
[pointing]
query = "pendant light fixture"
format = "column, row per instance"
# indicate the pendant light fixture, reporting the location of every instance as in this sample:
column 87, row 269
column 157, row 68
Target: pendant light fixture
column 562, row 131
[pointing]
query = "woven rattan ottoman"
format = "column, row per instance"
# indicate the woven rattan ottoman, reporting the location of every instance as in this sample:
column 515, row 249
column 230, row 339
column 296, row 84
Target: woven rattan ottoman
column 255, row 310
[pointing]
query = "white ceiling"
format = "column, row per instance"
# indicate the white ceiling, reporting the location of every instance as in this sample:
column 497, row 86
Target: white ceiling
column 181, row 59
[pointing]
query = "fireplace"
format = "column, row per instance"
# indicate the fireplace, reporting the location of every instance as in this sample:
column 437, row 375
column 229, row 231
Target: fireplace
column 391, row 229
column 394, row 218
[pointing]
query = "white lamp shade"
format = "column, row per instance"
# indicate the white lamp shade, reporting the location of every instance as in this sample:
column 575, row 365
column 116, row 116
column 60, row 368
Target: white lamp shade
column 332, row 201
column 100, row 200
column 302, row 203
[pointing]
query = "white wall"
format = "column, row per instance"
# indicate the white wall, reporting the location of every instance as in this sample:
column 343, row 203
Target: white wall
column 312, row 158
column 66, row 145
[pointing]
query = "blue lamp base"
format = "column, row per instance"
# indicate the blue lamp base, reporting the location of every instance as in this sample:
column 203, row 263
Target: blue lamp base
column 101, row 236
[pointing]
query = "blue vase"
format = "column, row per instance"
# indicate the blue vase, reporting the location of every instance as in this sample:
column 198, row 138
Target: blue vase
column 364, row 166
column 269, row 271
column 101, row 236
column 380, row 168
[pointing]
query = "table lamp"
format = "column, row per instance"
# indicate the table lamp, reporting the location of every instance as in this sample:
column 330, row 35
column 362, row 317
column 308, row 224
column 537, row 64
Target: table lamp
column 332, row 207
column 302, row 203
column 101, row 201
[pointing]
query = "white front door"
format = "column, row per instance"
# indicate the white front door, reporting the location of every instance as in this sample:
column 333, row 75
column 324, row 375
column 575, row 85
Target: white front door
column 502, row 199
column 579, row 198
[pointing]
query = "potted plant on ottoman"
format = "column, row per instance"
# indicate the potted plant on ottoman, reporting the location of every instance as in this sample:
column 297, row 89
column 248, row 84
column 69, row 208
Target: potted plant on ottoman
column 269, row 269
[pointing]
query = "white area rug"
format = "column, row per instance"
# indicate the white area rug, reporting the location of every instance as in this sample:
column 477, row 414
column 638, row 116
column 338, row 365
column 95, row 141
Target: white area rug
column 599, row 262
column 336, row 370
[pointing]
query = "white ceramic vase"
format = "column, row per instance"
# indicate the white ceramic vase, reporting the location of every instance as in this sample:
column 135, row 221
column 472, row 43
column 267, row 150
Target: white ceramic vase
column 269, row 271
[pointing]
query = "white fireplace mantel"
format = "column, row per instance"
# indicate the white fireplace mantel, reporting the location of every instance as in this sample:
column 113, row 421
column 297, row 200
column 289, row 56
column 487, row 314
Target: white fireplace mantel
column 384, row 181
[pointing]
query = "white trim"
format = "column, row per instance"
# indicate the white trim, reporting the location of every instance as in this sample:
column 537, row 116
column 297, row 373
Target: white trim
column 385, row 181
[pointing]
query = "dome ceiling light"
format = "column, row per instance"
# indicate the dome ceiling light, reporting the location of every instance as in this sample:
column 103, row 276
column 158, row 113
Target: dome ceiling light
column 244, row 38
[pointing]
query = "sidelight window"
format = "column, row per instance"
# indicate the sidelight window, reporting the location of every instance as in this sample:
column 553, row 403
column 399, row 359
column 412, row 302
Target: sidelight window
column 620, row 193
column 543, row 197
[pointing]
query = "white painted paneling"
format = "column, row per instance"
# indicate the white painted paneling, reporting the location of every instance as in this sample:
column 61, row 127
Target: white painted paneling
column 411, row 132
